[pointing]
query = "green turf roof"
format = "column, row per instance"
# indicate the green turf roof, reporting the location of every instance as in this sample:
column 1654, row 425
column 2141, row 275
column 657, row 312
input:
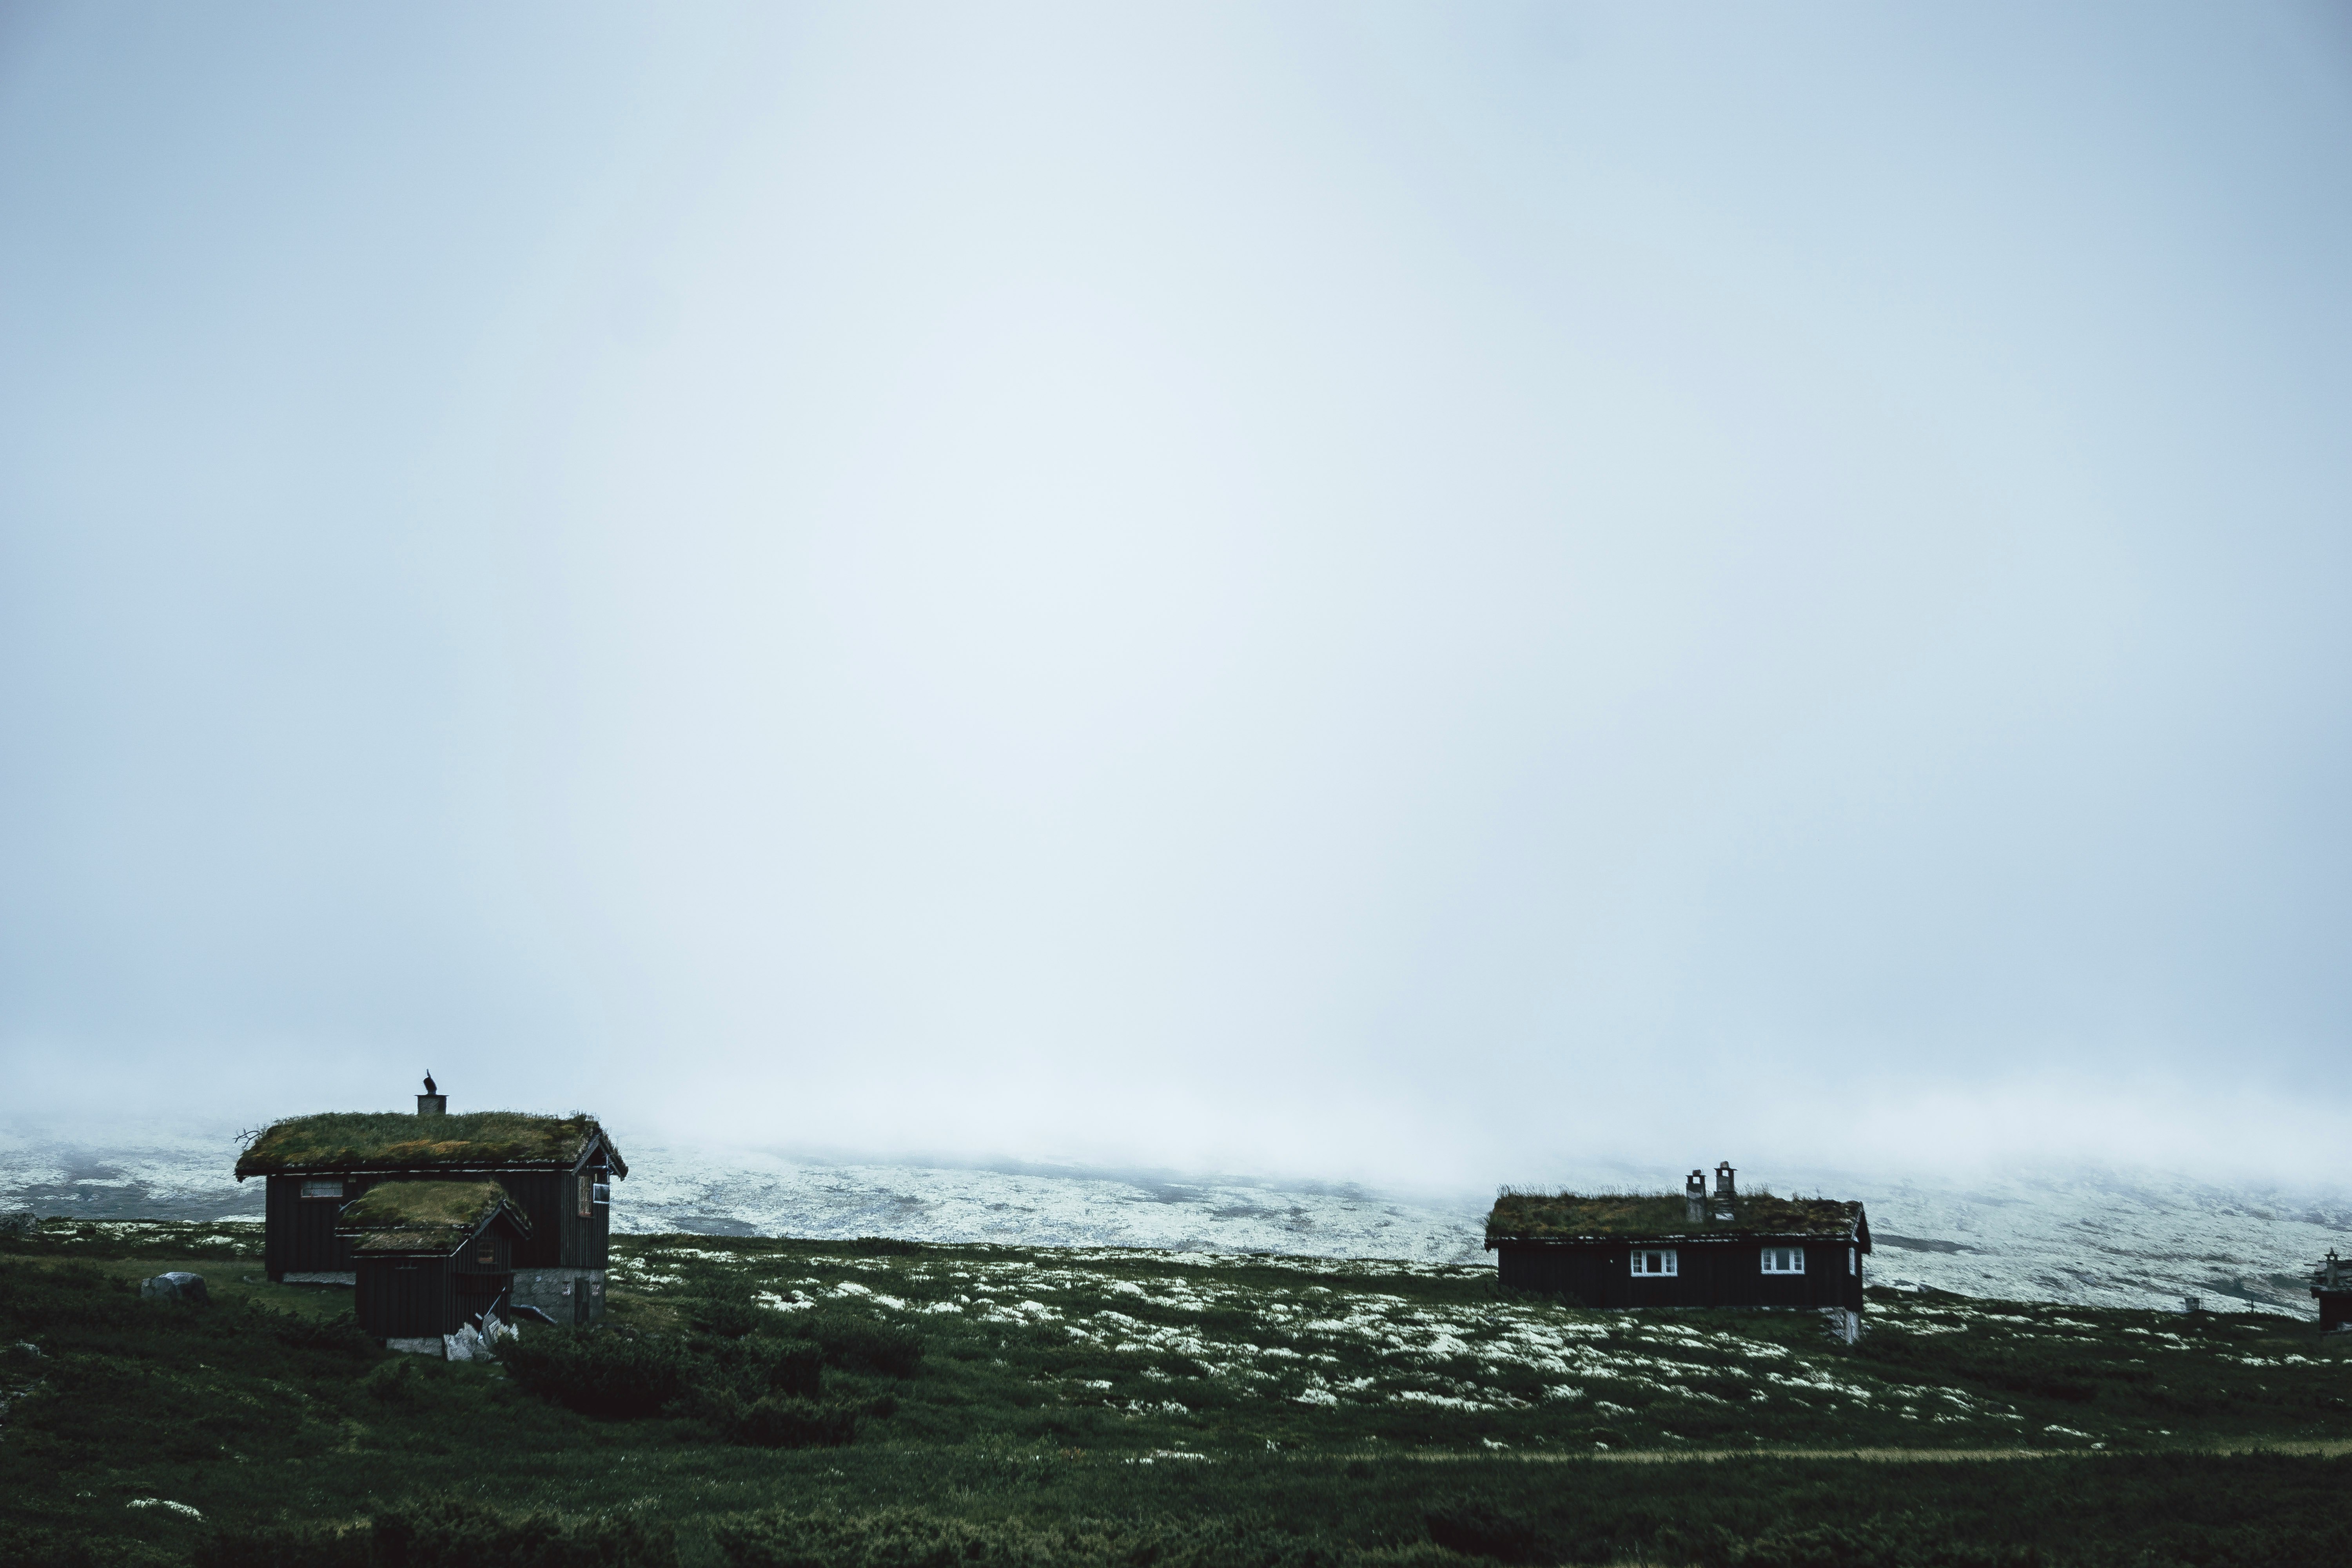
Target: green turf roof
column 1563, row 1216
column 395, row 1141
column 423, row 1216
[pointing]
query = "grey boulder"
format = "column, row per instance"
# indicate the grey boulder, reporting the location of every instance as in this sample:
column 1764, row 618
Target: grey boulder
column 23, row 1224
column 176, row 1286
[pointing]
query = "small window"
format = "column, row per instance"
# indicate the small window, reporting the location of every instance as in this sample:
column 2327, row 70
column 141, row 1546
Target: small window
column 602, row 1192
column 587, row 1193
column 324, row 1189
column 1852, row 1260
column 1660, row 1262
column 1784, row 1260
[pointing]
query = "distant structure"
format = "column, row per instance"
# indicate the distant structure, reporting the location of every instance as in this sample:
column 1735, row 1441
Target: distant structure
column 2333, row 1285
column 1701, row 1249
column 436, row 1219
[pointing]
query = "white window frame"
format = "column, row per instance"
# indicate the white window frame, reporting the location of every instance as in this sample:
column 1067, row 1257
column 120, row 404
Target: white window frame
column 600, row 1192
column 1784, row 1260
column 1854, row 1260
column 311, row 1181
column 1669, row 1265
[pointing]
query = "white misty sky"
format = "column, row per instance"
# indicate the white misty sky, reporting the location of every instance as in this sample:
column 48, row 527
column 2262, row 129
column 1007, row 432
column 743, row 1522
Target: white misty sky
column 1433, row 594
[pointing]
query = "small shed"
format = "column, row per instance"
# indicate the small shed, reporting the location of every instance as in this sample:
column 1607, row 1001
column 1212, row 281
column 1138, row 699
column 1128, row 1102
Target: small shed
column 1693, row 1249
column 2332, row 1286
column 431, row 1256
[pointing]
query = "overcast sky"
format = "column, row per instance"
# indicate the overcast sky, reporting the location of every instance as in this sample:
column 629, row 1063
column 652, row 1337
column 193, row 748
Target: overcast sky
column 1429, row 593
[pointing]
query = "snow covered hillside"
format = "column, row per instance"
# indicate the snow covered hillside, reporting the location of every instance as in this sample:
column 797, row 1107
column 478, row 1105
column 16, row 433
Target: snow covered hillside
column 2105, row 1238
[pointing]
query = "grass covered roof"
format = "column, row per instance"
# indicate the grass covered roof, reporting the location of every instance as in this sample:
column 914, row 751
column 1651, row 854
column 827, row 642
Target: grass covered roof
column 1568, row 1216
column 396, row 1141
column 423, row 1216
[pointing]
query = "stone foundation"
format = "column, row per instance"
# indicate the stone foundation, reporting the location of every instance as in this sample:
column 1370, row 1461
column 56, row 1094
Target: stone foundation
column 351, row 1279
column 557, row 1292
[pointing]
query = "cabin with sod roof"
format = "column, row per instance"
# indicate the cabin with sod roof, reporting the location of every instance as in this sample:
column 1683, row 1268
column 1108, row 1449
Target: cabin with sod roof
column 430, row 1256
column 1695, row 1249
column 555, row 1171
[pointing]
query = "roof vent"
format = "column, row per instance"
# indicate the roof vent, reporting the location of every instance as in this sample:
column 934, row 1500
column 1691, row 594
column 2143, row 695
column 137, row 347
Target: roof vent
column 431, row 1102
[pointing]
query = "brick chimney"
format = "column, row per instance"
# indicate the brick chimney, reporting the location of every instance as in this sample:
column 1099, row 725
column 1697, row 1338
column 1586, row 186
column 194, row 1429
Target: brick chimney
column 1726, row 1195
column 1695, row 1198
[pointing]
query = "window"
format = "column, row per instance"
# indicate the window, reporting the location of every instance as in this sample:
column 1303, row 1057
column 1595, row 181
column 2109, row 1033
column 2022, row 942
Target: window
column 1784, row 1260
column 1655, row 1262
column 602, row 1192
column 587, row 1188
column 1852, row 1260
column 332, row 1188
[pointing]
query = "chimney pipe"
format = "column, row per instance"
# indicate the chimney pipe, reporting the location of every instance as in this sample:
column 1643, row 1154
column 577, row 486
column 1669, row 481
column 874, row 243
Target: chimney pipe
column 1695, row 1198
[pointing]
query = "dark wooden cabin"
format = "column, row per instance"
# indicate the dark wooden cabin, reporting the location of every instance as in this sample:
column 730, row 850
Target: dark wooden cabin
column 2332, row 1286
column 1700, row 1248
column 557, row 1172
column 431, row 1256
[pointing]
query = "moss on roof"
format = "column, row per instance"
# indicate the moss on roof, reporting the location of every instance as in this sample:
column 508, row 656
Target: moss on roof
column 423, row 1216
column 1561, row 1216
column 393, row 1141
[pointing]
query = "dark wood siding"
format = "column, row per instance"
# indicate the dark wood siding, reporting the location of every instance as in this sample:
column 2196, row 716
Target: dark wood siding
column 406, row 1297
column 489, row 1253
column 1713, row 1274
column 539, row 1196
column 591, row 1235
column 300, row 1233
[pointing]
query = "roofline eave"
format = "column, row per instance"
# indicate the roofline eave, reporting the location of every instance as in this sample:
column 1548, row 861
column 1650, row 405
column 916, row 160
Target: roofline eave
column 1676, row 1238
column 472, row 1233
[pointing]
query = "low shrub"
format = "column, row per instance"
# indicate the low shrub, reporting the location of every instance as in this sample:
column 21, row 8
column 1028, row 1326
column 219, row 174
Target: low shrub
column 283, row 1546
column 452, row 1534
column 849, row 1341
column 905, row 1538
column 38, row 1547
column 1900, row 1541
column 448, row 1533
column 756, row 1367
column 600, row 1371
column 785, row 1421
column 730, row 1317
column 394, row 1383
column 1481, row 1530
column 1951, row 1358
column 33, row 1299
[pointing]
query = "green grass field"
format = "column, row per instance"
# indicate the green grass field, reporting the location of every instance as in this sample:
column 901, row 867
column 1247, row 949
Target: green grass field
column 1048, row 1406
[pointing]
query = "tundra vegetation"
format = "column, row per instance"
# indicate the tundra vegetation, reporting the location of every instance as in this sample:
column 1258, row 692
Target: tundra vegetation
column 756, row 1402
